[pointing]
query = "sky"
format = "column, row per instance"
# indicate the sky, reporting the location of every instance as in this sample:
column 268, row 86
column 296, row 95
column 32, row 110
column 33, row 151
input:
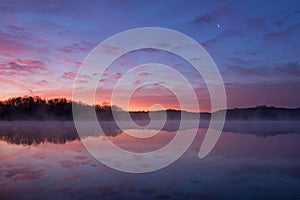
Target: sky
column 255, row 45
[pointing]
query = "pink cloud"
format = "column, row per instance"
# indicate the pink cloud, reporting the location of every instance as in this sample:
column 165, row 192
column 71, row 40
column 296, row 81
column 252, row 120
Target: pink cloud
column 144, row 74
column 73, row 62
column 137, row 82
column 82, row 46
column 69, row 75
column 41, row 83
column 19, row 65
column 118, row 75
column 72, row 75
column 10, row 82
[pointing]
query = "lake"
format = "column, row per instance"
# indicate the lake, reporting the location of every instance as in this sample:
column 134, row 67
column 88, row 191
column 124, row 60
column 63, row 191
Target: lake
column 251, row 160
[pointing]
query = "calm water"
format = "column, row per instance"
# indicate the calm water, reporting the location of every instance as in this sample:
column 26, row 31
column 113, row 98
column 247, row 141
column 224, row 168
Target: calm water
column 252, row 160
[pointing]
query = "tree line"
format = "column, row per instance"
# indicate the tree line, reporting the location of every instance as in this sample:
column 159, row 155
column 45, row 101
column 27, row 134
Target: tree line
column 36, row 108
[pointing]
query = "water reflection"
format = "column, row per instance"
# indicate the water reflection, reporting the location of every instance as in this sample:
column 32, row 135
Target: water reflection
column 35, row 133
column 242, row 165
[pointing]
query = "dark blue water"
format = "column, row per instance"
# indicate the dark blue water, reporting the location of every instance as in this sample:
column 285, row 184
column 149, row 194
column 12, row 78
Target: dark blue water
column 46, row 161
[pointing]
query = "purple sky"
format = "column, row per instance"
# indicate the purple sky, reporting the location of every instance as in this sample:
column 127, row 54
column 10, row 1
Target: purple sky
column 255, row 44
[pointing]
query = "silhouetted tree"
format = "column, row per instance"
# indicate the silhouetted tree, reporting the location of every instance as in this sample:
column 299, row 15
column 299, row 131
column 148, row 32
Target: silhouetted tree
column 35, row 108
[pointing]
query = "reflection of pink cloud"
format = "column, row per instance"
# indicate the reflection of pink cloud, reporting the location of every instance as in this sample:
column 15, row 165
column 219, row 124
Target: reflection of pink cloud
column 23, row 173
column 70, row 163
column 74, row 177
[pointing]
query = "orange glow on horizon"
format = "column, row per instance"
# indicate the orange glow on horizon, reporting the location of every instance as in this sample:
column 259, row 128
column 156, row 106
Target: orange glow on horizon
column 135, row 104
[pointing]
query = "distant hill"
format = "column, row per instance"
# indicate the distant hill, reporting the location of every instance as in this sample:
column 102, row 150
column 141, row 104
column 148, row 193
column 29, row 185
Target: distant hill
column 255, row 113
column 263, row 113
column 36, row 108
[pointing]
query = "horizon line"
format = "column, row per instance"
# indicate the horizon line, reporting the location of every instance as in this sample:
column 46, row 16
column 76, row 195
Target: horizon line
column 105, row 103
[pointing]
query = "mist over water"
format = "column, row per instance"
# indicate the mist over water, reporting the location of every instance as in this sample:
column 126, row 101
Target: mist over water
column 47, row 159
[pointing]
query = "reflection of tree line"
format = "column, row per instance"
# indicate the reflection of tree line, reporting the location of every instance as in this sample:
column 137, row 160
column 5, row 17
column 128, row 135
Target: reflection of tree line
column 34, row 133
column 35, row 137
